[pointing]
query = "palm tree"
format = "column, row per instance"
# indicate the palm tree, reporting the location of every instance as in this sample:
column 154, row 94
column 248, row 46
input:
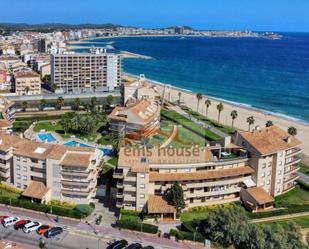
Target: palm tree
column 76, row 104
column 66, row 124
column 24, row 105
column 208, row 104
column 220, row 108
column 234, row 115
column 199, row 97
column 54, row 87
column 59, row 103
column 179, row 97
column 292, row 131
column 43, row 103
column 269, row 123
column 93, row 104
column 250, row 121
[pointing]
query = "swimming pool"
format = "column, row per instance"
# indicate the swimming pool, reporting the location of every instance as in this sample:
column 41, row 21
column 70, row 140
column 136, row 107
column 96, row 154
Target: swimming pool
column 105, row 151
column 47, row 137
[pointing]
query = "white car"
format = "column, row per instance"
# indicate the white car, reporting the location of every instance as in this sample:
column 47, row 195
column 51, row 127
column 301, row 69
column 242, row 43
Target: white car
column 10, row 221
column 31, row 226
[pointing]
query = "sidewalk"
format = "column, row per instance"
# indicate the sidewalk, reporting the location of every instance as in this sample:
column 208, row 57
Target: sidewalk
column 280, row 217
column 104, row 231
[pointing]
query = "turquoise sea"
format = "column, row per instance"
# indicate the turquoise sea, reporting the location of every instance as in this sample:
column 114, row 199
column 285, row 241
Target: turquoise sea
column 272, row 75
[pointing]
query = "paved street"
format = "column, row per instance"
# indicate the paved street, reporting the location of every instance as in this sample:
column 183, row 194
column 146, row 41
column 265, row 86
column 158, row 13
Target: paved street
column 89, row 233
column 303, row 177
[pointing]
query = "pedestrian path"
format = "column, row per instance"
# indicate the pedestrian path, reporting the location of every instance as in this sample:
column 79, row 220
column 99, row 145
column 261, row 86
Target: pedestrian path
column 280, row 217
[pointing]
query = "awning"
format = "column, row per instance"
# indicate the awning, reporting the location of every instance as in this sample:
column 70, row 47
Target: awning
column 249, row 183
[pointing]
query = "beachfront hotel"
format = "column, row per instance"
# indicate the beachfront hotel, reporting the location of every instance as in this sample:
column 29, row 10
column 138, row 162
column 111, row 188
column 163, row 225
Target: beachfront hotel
column 85, row 72
column 137, row 120
column 206, row 175
column 49, row 171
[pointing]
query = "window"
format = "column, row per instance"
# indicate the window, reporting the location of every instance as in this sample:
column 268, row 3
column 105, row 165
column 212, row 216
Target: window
column 143, row 175
column 18, row 158
column 269, row 164
column 280, row 172
column 142, row 196
column 280, row 163
column 25, row 178
column 25, row 168
column 18, row 176
column 279, row 181
column 262, row 184
column 141, row 205
column 278, row 190
column 264, row 165
column 17, row 167
column 25, row 186
column 142, row 186
column 18, row 185
column 280, row 154
column 268, row 182
column 263, row 174
column 268, row 173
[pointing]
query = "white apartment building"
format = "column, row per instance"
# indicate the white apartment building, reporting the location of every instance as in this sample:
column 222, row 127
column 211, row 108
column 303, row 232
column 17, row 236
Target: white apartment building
column 86, row 72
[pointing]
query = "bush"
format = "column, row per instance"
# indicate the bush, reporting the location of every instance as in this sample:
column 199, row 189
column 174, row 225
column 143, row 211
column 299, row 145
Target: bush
column 61, row 204
column 183, row 235
column 129, row 212
column 133, row 223
column 84, row 209
column 11, row 189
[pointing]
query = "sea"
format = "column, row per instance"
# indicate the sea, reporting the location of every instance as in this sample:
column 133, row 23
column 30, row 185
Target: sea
column 271, row 75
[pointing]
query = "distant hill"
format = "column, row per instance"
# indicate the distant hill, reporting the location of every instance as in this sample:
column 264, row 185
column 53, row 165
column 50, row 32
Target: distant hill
column 49, row 27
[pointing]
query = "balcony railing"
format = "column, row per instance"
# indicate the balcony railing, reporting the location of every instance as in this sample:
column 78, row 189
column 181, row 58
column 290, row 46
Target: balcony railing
column 295, row 159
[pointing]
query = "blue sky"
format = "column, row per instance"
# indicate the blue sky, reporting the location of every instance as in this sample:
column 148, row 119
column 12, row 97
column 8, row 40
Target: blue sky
column 275, row 15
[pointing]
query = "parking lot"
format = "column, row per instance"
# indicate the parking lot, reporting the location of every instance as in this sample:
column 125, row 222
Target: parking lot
column 66, row 240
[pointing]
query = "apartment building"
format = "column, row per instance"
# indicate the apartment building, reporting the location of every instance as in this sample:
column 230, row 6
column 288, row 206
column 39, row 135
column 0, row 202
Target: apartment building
column 274, row 155
column 86, row 72
column 232, row 169
column 136, row 121
column 145, row 176
column 49, row 171
column 27, row 83
column 7, row 109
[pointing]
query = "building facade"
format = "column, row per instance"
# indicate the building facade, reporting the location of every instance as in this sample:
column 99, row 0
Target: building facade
column 27, row 83
column 136, row 121
column 207, row 175
column 86, row 72
column 62, row 173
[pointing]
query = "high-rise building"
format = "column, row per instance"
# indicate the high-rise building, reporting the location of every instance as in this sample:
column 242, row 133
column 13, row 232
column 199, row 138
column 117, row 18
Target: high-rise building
column 86, row 72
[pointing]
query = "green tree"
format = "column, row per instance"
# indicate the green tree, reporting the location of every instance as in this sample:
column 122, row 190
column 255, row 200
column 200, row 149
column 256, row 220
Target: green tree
column 208, row 104
column 59, row 103
column 93, row 104
column 43, row 103
column 66, row 124
column 109, row 100
column 269, row 123
column 220, row 108
column 292, row 131
column 177, row 197
column 24, row 105
column 54, row 87
column 234, row 115
column 76, row 104
column 2, row 178
column 46, row 78
column 250, row 121
column 199, row 97
column 27, row 89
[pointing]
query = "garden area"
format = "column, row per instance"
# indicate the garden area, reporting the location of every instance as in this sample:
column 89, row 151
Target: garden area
column 12, row 196
column 188, row 124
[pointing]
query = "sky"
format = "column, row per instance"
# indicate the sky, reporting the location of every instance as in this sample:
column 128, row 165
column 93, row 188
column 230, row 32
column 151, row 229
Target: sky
column 257, row 15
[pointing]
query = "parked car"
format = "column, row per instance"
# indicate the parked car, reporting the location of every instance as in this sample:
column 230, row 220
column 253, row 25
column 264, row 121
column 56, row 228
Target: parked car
column 148, row 247
column 43, row 229
column 31, row 226
column 135, row 246
column 20, row 224
column 54, row 231
column 10, row 221
column 2, row 218
column 118, row 244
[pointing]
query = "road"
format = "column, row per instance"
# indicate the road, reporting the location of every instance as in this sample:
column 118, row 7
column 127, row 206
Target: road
column 67, row 240
column 303, row 177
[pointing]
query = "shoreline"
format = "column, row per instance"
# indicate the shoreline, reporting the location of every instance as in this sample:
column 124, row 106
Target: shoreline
column 224, row 101
column 261, row 116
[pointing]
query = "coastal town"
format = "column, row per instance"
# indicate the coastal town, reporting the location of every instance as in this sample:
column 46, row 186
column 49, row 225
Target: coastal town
column 94, row 157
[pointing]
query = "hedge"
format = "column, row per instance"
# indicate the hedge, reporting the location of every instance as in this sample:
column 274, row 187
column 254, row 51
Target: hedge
column 11, row 189
column 182, row 235
column 133, row 223
column 56, row 210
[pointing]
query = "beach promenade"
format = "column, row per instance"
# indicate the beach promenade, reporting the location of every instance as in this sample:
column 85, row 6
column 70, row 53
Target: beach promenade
column 261, row 117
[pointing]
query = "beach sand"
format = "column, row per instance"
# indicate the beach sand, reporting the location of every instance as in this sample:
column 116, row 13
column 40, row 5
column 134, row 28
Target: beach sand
column 189, row 99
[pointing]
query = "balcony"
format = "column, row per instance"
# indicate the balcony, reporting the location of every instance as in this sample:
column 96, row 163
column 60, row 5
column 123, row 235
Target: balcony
column 119, row 204
column 290, row 178
column 294, row 160
column 291, row 169
column 293, row 152
column 119, row 195
column 118, row 174
column 119, row 185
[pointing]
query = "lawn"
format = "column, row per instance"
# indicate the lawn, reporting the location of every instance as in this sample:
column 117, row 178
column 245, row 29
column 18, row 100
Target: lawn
column 8, row 193
column 297, row 196
column 224, row 128
column 199, row 130
column 304, row 169
column 193, row 216
column 186, row 137
column 303, row 222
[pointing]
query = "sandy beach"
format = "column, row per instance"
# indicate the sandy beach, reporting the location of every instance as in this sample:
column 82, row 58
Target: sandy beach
column 189, row 99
